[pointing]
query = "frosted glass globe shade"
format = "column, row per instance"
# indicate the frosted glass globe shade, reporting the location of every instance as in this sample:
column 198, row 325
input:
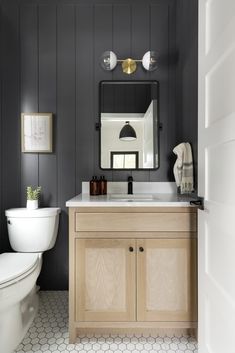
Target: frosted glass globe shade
column 108, row 60
column 149, row 61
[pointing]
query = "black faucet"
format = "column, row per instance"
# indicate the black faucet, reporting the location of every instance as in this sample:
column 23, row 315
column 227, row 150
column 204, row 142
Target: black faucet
column 130, row 185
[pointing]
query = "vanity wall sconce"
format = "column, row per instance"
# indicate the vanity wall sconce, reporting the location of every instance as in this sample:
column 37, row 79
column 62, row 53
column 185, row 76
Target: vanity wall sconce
column 109, row 61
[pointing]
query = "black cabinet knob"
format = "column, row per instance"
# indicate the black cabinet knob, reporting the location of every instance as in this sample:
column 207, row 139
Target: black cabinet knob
column 141, row 249
column 131, row 249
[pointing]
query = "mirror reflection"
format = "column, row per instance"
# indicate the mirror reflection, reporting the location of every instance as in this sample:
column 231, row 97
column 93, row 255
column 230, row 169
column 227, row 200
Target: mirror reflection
column 129, row 125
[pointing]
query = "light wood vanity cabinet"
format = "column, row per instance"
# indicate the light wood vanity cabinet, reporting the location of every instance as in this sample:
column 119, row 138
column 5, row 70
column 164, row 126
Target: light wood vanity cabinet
column 132, row 268
column 166, row 280
column 105, row 280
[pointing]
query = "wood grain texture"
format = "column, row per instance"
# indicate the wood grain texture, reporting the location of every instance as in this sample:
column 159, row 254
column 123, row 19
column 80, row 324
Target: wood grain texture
column 105, row 280
column 135, row 235
column 131, row 209
column 72, row 280
column 166, row 280
column 139, row 291
column 122, row 222
column 137, row 325
column 166, row 271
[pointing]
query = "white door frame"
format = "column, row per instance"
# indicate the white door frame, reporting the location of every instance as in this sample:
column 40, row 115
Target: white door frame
column 216, row 176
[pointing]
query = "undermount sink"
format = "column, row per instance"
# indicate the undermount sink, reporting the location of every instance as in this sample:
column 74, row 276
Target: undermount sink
column 132, row 197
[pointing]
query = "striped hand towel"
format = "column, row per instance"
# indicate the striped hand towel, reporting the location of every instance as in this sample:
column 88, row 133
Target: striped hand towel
column 183, row 168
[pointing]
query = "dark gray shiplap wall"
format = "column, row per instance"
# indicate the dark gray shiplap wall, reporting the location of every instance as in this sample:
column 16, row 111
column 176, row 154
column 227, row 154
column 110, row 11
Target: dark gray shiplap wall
column 10, row 117
column 187, row 74
column 51, row 64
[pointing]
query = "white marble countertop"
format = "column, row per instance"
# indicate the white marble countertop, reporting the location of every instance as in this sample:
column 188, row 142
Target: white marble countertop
column 111, row 200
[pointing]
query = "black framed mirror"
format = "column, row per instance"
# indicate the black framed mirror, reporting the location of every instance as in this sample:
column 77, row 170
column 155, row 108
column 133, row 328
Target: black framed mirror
column 129, row 125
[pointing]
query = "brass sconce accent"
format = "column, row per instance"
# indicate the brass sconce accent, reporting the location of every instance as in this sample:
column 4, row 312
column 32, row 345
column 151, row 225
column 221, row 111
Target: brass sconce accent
column 129, row 66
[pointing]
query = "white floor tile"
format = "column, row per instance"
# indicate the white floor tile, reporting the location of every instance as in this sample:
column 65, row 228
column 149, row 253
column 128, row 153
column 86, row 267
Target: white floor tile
column 49, row 334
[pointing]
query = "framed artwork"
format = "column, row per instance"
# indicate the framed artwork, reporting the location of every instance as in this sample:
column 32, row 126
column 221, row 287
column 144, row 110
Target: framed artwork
column 36, row 132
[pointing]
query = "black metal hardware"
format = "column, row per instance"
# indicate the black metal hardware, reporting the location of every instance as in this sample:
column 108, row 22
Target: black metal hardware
column 9, row 222
column 157, row 127
column 130, row 185
column 141, row 249
column 199, row 202
column 131, row 249
column 97, row 126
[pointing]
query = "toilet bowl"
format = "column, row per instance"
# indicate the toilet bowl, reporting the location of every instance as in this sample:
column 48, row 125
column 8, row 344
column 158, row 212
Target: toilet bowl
column 30, row 234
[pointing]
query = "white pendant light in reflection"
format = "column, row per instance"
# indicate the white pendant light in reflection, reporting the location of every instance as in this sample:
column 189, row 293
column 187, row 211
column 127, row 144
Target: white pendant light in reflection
column 108, row 60
column 149, row 61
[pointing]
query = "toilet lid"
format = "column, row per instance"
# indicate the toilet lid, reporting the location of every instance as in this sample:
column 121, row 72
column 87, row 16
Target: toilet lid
column 13, row 265
column 39, row 212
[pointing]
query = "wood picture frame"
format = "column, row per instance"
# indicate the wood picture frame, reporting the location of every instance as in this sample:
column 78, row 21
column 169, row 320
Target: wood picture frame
column 36, row 133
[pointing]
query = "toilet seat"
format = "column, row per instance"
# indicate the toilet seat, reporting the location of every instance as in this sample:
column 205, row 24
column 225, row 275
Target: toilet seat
column 15, row 266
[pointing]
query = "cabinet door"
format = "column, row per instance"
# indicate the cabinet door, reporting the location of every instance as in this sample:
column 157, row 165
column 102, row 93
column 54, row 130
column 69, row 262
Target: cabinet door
column 105, row 280
column 166, row 280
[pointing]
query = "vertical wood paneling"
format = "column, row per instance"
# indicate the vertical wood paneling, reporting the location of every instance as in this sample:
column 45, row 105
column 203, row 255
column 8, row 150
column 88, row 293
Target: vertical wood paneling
column 140, row 34
column 47, row 103
column 10, row 139
column 103, row 41
column 66, row 130
column 66, row 102
column 121, row 36
column 29, row 87
column 47, row 99
column 187, row 74
column 160, row 43
column 85, row 113
column 172, row 114
column 122, row 47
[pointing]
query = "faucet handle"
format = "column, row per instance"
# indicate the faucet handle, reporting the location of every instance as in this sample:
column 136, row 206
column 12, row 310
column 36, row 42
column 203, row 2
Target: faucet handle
column 130, row 178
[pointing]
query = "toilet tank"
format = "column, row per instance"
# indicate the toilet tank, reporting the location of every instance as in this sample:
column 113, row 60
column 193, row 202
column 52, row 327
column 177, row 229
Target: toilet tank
column 32, row 230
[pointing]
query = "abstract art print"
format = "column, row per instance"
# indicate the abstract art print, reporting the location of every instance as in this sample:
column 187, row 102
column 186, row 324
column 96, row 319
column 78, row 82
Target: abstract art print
column 36, row 132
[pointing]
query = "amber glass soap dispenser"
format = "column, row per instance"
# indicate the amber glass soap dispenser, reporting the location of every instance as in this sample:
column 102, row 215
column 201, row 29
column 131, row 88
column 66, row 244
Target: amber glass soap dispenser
column 94, row 186
column 103, row 185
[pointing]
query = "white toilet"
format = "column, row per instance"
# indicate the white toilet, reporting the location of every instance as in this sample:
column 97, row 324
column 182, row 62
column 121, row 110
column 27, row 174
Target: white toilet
column 31, row 232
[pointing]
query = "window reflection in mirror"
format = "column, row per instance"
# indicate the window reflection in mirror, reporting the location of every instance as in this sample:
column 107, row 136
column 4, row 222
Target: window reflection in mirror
column 129, row 125
column 124, row 160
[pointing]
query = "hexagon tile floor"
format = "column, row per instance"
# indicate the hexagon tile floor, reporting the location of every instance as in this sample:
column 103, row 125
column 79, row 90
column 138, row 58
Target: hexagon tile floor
column 49, row 333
